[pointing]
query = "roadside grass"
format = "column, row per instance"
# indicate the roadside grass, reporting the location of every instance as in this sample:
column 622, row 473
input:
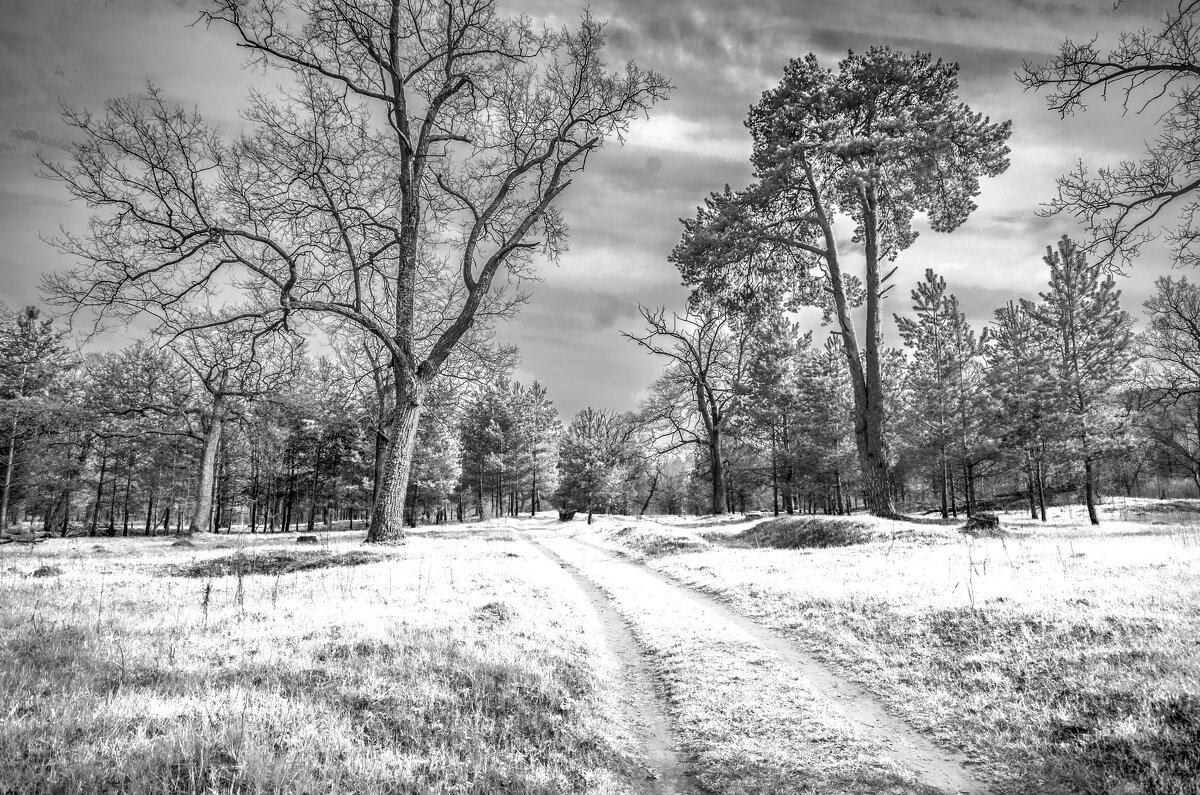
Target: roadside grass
column 1059, row 658
column 444, row 665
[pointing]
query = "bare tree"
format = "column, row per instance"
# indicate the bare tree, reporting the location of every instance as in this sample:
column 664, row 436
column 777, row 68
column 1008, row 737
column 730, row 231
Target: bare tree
column 1123, row 207
column 423, row 144
column 229, row 364
column 695, row 397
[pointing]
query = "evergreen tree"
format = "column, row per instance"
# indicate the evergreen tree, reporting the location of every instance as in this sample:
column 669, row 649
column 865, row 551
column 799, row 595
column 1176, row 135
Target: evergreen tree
column 1090, row 351
column 944, row 385
column 593, row 463
column 1019, row 376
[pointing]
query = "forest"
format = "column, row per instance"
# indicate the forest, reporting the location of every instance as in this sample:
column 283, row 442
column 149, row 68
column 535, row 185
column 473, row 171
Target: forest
column 1053, row 400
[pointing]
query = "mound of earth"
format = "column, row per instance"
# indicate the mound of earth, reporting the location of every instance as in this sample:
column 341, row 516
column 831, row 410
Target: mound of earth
column 271, row 561
column 654, row 540
column 821, row 532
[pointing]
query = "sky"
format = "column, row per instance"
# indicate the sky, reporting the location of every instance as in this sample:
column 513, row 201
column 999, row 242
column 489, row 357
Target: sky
column 624, row 210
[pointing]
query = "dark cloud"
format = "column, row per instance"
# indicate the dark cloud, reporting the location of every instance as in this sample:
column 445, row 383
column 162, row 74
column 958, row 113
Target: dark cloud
column 624, row 210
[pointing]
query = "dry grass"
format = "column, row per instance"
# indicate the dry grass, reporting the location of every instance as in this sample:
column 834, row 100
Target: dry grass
column 439, row 666
column 1061, row 658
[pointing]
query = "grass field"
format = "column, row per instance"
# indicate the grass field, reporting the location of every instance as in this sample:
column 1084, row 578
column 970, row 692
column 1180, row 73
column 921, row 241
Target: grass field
column 238, row 664
column 1059, row 658
column 1056, row 658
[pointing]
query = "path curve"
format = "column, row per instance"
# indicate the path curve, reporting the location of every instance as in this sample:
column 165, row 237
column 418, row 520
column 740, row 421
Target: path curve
column 641, row 701
column 934, row 766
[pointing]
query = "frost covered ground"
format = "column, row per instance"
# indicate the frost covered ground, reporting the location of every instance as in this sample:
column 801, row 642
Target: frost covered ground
column 673, row 655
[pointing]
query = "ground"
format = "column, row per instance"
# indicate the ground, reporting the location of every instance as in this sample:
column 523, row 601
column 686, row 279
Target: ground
column 732, row 655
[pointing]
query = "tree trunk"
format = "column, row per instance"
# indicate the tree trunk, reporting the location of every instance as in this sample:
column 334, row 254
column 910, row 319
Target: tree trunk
column 650, row 494
column 1029, row 487
column 8, row 474
column 149, row 514
column 717, row 472
column 316, row 482
column 774, row 472
column 99, row 491
column 1041, row 489
column 128, row 491
column 942, row 480
column 1089, row 491
column 202, row 516
column 387, row 518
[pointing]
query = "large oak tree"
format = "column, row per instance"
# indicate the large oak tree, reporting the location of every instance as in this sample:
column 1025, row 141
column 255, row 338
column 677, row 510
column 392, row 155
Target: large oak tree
column 423, row 144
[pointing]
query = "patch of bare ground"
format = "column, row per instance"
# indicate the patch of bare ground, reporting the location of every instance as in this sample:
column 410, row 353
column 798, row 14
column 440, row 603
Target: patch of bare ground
column 754, row 713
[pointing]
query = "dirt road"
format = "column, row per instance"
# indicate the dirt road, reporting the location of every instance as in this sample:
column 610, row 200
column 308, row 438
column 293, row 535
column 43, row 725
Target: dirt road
column 753, row 710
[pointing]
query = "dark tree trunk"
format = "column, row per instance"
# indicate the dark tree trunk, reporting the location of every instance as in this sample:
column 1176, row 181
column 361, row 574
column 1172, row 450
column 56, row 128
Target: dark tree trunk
column 95, row 526
column 1041, row 488
column 1089, row 491
column 150, row 514
column 316, row 482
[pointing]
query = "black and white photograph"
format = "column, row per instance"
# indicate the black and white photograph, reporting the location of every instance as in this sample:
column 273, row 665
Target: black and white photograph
column 626, row 397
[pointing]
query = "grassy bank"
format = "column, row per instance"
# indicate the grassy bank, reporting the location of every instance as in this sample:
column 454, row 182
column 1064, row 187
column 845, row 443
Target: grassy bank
column 238, row 665
column 1059, row 658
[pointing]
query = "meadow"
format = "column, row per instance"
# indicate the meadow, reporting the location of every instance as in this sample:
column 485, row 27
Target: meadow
column 1049, row 658
column 247, row 664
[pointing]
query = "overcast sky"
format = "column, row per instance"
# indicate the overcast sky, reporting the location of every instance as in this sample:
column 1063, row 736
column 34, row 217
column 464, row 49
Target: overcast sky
column 624, row 210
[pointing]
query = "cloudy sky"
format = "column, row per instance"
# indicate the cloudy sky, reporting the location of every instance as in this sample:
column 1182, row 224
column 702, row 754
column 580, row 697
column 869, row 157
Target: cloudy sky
column 624, row 210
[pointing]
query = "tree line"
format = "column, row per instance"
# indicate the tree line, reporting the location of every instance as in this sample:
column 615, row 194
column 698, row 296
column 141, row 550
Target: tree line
column 396, row 197
column 1055, row 396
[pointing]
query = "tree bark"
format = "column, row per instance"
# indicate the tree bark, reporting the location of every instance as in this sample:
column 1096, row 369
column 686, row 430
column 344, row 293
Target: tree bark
column 8, row 474
column 316, row 482
column 1089, row 491
column 717, row 472
column 387, row 520
column 99, row 491
column 202, row 516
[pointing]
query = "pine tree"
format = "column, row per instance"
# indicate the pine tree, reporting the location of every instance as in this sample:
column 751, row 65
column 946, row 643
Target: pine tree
column 1090, row 354
column 592, row 461
column 769, row 395
column 944, row 384
column 1019, row 376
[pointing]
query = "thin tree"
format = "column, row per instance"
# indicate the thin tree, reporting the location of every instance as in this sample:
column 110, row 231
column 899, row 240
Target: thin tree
column 1090, row 354
column 696, row 396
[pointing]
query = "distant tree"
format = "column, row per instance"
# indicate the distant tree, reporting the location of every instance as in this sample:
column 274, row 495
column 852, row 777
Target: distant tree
column 769, row 396
column 1168, row 397
column 945, row 387
column 593, row 461
column 1019, row 375
column 697, row 395
column 1123, row 207
column 881, row 139
column 228, row 364
column 1090, row 351
column 33, row 355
